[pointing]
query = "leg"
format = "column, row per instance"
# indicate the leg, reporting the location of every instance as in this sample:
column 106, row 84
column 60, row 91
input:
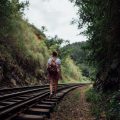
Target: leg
column 55, row 86
column 51, row 86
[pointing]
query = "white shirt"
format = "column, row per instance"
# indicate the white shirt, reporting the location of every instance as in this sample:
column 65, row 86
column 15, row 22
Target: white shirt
column 58, row 61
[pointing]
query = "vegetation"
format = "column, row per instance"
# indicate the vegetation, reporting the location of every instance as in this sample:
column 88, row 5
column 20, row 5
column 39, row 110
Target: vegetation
column 24, row 49
column 105, row 105
column 79, row 109
column 70, row 72
column 79, row 54
column 23, row 54
column 102, row 22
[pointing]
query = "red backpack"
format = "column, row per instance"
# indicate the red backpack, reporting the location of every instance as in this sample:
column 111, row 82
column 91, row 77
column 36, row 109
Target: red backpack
column 52, row 68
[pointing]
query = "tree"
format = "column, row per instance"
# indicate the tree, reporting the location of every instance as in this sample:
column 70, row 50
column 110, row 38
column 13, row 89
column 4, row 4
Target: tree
column 103, row 28
column 10, row 10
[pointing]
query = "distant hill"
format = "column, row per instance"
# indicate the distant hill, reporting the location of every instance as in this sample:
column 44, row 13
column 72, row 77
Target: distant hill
column 79, row 54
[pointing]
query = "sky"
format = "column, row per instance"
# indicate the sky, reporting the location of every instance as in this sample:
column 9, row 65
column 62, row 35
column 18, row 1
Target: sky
column 56, row 16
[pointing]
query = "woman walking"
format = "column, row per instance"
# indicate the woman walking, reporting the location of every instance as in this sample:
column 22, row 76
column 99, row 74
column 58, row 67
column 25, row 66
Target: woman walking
column 54, row 72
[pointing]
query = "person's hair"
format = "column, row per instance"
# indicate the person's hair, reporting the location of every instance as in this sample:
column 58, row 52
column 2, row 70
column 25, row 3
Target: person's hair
column 54, row 54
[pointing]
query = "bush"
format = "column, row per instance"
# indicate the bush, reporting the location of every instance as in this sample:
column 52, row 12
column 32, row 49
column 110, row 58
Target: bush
column 26, row 51
column 105, row 105
column 96, row 102
column 70, row 72
column 113, row 107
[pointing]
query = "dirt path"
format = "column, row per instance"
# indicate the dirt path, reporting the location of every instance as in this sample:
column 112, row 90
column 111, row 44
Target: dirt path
column 73, row 107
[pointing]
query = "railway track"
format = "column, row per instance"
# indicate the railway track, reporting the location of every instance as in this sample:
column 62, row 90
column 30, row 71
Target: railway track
column 31, row 104
column 19, row 89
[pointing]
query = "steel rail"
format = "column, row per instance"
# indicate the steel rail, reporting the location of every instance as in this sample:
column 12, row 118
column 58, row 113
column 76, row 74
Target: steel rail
column 24, row 104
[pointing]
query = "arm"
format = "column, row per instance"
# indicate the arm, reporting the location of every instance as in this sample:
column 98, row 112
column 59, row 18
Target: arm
column 48, row 63
column 59, row 68
column 60, row 74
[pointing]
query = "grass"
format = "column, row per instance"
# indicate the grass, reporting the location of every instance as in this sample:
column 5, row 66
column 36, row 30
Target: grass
column 30, row 53
column 25, row 47
column 95, row 99
column 104, row 105
column 71, row 73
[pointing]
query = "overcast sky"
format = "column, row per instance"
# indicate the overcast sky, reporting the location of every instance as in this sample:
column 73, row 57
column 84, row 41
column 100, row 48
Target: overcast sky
column 56, row 15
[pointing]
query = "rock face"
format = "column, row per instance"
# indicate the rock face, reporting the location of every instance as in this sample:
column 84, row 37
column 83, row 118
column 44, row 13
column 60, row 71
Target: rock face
column 108, row 78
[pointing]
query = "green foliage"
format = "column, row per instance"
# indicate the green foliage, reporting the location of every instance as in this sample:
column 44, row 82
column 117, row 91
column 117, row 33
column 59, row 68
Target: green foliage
column 104, row 105
column 70, row 72
column 38, row 32
column 92, row 16
column 22, row 46
column 56, row 44
column 113, row 107
column 79, row 54
column 10, row 10
column 26, row 49
column 96, row 102
column 92, row 96
column 103, row 28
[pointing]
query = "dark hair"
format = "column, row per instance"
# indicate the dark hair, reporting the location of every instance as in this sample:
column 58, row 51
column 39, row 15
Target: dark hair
column 54, row 54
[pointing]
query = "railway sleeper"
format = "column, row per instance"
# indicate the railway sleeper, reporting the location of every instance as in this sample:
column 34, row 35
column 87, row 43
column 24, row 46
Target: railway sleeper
column 42, row 109
column 29, row 117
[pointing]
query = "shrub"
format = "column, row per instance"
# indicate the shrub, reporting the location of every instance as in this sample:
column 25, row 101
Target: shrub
column 105, row 105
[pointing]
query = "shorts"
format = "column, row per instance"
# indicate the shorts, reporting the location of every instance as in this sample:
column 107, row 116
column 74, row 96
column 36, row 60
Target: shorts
column 53, row 77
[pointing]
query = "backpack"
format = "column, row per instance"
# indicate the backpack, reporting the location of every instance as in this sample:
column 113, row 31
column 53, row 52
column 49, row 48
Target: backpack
column 52, row 68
